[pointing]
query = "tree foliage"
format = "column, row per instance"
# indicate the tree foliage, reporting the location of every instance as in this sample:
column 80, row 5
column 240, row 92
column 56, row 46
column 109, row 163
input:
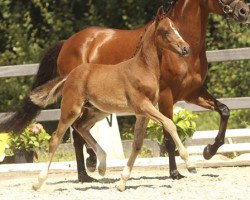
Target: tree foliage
column 28, row 28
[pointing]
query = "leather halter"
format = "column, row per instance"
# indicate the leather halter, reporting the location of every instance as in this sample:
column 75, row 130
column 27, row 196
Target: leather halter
column 228, row 7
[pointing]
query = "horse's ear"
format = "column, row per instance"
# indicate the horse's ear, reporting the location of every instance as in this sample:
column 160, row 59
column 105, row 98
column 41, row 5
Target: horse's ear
column 160, row 14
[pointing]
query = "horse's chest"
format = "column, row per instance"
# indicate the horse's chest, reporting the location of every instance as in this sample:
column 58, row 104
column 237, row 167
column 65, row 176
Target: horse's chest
column 182, row 79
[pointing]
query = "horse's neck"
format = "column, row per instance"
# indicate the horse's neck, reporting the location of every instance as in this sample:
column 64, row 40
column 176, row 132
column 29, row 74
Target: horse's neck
column 148, row 52
column 195, row 14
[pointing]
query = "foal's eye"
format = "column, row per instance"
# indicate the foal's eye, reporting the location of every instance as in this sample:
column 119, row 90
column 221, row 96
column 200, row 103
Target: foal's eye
column 165, row 32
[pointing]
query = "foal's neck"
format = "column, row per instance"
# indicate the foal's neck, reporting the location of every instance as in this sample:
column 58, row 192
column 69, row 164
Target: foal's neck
column 148, row 53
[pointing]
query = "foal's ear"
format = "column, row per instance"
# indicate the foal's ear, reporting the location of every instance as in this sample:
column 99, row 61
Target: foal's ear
column 160, row 14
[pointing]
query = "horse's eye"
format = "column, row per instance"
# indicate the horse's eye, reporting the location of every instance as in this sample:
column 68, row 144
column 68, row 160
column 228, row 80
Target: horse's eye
column 165, row 32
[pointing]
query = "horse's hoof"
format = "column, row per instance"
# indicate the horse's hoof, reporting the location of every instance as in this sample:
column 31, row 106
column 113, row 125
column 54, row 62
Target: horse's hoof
column 85, row 178
column 91, row 164
column 175, row 175
column 120, row 186
column 91, row 160
column 192, row 170
column 207, row 152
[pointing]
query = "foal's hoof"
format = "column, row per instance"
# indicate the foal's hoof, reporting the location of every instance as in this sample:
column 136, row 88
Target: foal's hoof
column 91, row 160
column 175, row 175
column 102, row 169
column 35, row 187
column 85, row 178
column 120, row 186
column 207, row 152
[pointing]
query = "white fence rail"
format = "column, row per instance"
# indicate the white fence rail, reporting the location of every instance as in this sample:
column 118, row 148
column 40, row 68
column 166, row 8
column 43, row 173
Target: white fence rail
column 213, row 56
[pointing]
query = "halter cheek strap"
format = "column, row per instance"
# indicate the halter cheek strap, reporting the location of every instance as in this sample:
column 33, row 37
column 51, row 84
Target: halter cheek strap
column 228, row 7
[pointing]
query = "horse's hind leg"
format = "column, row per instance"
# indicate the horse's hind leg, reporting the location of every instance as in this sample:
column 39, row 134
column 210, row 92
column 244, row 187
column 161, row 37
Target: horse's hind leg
column 83, row 126
column 140, row 130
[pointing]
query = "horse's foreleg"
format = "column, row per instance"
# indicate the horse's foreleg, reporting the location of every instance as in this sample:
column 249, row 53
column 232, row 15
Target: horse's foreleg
column 151, row 112
column 204, row 99
column 166, row 108
column 139, row 133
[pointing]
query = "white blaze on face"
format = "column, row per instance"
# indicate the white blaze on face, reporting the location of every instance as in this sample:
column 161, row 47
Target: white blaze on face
column 175, row 31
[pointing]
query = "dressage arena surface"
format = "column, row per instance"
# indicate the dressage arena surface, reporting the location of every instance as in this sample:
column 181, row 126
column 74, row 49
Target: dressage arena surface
column 151, row 183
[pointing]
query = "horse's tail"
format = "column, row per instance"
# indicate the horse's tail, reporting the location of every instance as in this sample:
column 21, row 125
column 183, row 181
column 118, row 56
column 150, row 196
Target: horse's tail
column 47, row 93
column 27, row 111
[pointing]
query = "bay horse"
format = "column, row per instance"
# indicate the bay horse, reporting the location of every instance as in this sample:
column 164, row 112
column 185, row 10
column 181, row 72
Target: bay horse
column 181, row 78
column 130, row 86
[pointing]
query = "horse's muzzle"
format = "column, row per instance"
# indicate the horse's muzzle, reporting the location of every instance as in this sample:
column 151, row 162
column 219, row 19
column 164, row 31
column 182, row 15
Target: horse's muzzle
column 241, row 12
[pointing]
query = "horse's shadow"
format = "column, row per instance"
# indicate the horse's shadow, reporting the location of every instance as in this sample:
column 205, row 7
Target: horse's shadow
column 114, row 180
column 111, row 180
column 127, row 187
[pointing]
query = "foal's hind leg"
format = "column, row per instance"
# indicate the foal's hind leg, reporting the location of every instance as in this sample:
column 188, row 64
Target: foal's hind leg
column 140, row 130
column 82, row 127
column 70, row 110
column 54, row 142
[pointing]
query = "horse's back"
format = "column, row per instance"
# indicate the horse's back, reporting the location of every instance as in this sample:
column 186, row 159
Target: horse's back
column 97, row 45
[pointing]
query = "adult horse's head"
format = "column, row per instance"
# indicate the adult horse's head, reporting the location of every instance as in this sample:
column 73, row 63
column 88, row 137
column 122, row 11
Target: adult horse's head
column 236, row 9
column 167, row 35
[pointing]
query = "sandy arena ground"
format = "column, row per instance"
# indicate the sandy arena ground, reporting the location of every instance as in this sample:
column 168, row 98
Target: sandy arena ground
column 227, row 183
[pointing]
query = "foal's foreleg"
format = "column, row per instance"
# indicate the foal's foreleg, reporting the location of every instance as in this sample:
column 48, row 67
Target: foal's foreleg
column 139, row 134
column 165, row 104
column 151, row 112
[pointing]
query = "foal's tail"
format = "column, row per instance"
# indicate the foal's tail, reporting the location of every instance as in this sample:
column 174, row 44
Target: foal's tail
column 47, row 93
column 27, row 111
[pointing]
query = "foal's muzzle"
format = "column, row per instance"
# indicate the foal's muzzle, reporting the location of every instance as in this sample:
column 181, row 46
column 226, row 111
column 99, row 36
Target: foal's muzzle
column 185, row 51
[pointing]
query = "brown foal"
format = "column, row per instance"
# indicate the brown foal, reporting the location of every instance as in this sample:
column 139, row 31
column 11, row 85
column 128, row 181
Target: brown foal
column 130, row 86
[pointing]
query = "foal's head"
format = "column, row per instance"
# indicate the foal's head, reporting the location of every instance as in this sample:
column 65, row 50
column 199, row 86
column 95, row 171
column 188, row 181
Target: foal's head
column 167, row 36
